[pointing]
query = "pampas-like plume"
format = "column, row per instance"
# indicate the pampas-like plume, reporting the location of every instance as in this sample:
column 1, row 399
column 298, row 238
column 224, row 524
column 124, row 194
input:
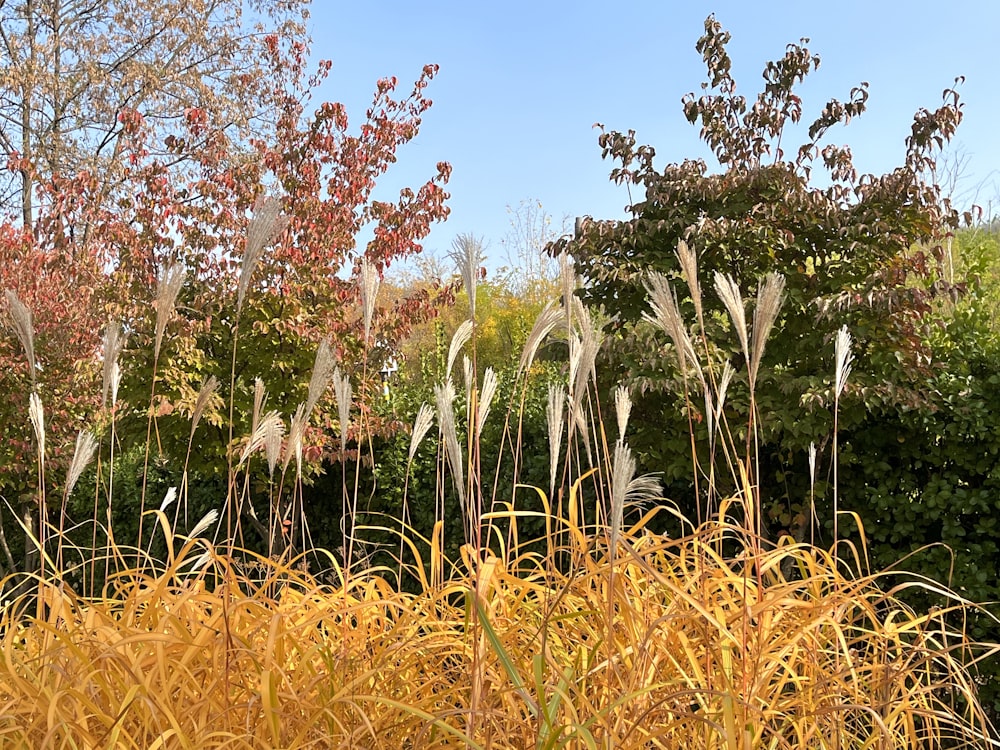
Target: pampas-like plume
column 470, row 380
column 37, row 416
column 467, row 253
column 86, row 446
column 168, row 499
column 423, row 422
column 729, row 292
column 208, row 389
column 343, row 393
column 323, row 369
column 486, row 394
column 259, row 397
column 545, row 323
column 627, row 489
column 207, row 520
column 24, row 329
column 267, row 222
column 296, row 432
column 267, row 427
column 667, row 317
column 113, row 344
column 689, row 267
column 812, row 464
column 591, row 338
column 168, row 286
column 844, row 359
column 462, row 335
column 554, row 418
column 770, row 295
column 444, row 397
column 369, row 291
column 623, row 408
column 273, row 434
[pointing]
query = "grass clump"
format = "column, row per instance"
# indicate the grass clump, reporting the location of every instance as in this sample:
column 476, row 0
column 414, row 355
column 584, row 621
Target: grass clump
column 607, row 635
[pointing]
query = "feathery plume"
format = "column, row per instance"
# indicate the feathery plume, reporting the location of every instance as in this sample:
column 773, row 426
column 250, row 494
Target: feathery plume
column 266, row 224
column 343, row 393
column 369, row 291
column 689, row 267
column 770, row 295
column 467, row 253
column 462, row 335
column 207, row 520
column 554, row 418
column 168, row 286
column 486, row 394
column 86, row 446
column 545, row 323
column 205, row 394
column 729, row 292
column 812, row 464
column 323, row 369
column 296, row 432
column 258, row 439
column 444, row 397
column 667, row 317
column 469, row 378
column 24, row 329
column 591, row 338
column 844, row 360
column 627, row 489
column 259, row 397
column 423, row 422
column 113, row 344
column 273, row 433
column 37, row 416
column 168, row 499
column 623, row 408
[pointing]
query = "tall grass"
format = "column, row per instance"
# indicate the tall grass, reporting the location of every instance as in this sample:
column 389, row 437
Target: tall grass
column 607, row 635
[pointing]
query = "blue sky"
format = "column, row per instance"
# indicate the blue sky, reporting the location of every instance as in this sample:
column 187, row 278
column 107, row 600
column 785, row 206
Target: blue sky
column 522, row 84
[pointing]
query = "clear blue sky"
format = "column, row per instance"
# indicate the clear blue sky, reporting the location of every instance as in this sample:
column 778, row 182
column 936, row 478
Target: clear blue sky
column 522, row 83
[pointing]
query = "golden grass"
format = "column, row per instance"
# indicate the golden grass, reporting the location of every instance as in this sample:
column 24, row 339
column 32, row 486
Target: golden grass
column 666, row 644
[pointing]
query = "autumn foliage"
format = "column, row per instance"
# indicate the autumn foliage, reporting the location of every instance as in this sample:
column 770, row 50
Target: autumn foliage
column 92, row 256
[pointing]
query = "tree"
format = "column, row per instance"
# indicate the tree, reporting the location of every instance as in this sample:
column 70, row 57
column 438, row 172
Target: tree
column 917, row 453
column 70, row 69
column 860, row 252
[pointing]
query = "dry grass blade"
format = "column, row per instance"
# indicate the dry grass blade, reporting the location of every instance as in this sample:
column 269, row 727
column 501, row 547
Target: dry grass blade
column 444, row 397
column 770, row 295
column 267, row 223
column 729, row 292
column 369, row 292
column 83, row 454
column 422, row 423
column 168, row 286
column 24, row 329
